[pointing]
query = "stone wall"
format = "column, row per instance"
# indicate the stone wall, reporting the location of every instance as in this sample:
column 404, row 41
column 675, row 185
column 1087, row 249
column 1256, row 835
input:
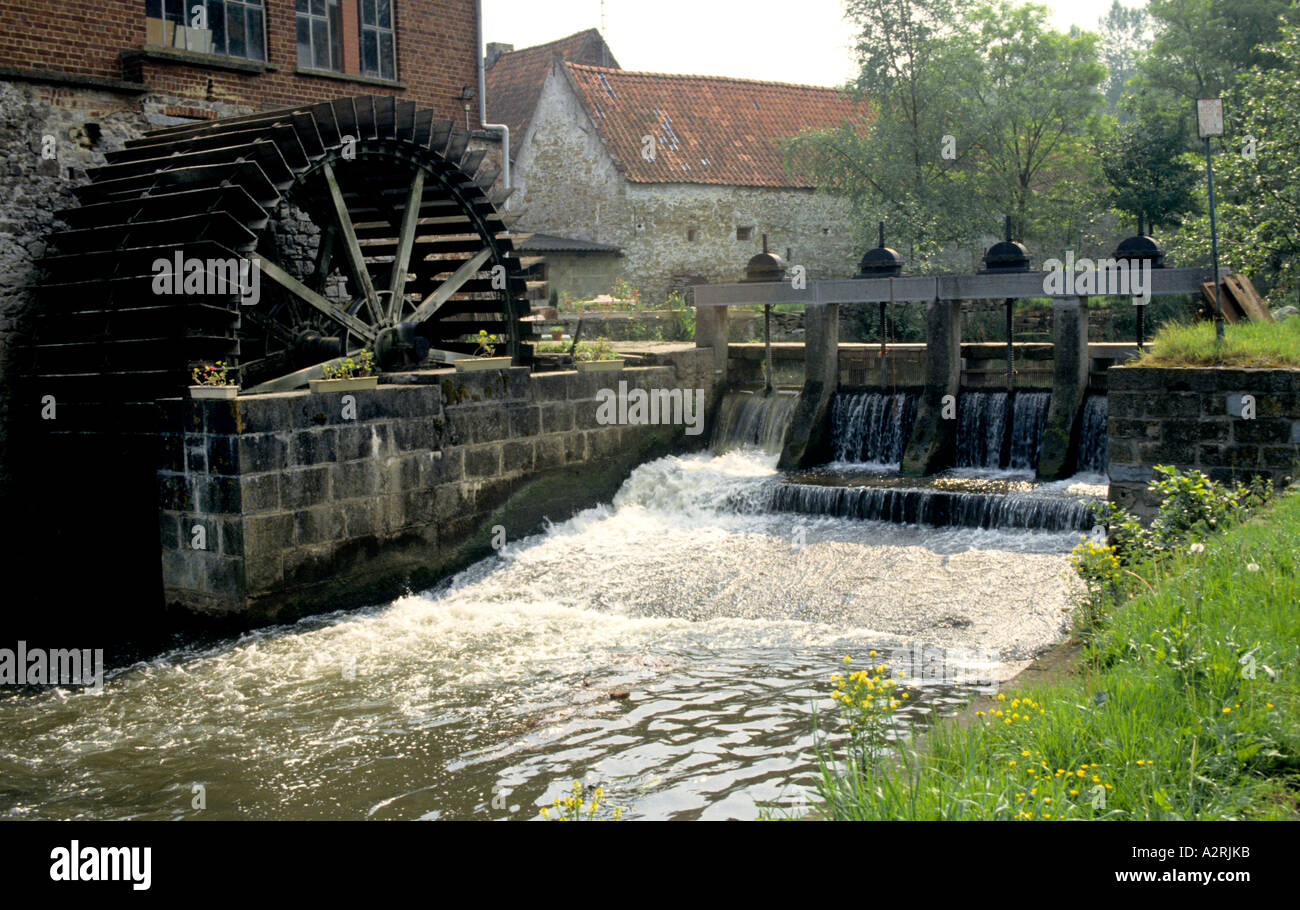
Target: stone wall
column 567, row 184
column 1199, row 418
column 303, row 510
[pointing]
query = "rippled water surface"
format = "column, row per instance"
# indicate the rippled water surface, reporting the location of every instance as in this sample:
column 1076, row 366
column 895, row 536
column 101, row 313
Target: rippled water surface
column 668, row 646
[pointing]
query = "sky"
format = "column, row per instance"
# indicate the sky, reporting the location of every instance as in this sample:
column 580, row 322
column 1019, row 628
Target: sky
column 757, row 39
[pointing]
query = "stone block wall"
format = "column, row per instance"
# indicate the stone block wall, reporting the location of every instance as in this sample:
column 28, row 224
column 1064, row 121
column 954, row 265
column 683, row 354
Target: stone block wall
column 302, row 505
column 1231, row 424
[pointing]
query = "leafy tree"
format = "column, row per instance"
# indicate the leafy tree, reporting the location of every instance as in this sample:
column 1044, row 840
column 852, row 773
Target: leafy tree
column 913, row 57
column 1149, row 170
column 1202, row 45
column 1259, row 209
column 977, row 112
column 1126, row 33
column 1036, row 105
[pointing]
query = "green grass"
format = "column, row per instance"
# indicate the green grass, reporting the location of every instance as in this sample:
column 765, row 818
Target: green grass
column 1186, row 707
column 1247, row 344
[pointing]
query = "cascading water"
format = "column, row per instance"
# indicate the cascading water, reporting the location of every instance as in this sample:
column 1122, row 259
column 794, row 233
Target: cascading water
column 1094, row 436
column 1029, row 418
column 981, row 427
column 667, row 646
column 753, row 420
column 982, row 430
column 948, row 505
column 872, row 428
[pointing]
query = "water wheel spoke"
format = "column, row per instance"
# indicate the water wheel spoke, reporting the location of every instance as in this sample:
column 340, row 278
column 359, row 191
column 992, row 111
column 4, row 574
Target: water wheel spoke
column 324, row 258
column 311, row 298
column 351, row 246
column 406, row 240
column 458, row 279
column 271, row 326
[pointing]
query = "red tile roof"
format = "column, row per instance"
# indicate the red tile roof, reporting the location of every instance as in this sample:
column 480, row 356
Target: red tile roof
column 707, row 129
column 514, row 80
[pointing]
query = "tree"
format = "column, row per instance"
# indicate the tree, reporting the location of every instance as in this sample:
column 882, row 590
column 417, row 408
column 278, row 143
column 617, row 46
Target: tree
column 1150, row 171
column 1259, row 210
column 977, row 113
column 1201, row 46
column 1037, row 104
column 1126, row 33
column 912, row 59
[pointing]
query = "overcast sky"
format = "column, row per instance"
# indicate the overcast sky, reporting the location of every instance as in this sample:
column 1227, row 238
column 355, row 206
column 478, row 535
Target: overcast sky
column 804, row 41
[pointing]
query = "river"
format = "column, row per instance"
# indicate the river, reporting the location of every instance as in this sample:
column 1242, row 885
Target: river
column 669, row 646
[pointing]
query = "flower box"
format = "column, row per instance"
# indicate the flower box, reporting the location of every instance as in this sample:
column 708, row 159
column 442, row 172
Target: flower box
column 477, row 364
column 343, row 385
column 600, row 366
column 213, row 392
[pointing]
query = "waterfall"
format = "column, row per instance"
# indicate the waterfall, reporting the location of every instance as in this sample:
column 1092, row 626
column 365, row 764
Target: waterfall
column 982, row 430
column 753, row 420
column 934, row 507
column 1093, row 436
column 872, row 427
column 981, row 427
column 1029, row 418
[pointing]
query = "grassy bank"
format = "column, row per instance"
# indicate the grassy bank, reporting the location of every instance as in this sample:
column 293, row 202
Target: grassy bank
column 1249, row 344
column 1186, row 706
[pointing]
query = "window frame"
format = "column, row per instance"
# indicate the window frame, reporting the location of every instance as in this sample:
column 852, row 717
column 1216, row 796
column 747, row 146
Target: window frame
column 179, row 12
column 380, row 32
column 332, row 21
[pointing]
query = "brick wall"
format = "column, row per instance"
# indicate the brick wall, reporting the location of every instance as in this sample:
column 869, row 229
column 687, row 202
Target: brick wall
column 436, row 53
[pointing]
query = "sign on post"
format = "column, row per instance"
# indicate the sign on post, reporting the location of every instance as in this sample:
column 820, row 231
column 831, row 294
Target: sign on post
column 1209, row 117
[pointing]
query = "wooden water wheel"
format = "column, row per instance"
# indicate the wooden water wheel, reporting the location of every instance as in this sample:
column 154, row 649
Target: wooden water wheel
column 411, row 254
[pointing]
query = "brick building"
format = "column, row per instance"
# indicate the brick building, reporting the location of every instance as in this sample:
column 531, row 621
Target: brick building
column 79, row 78
column 676, row 177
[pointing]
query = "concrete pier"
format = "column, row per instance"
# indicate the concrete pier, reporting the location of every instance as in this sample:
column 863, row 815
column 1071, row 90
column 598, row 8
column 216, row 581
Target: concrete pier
column 711, row 332
column 934, row 436
column 808, row 441
column 1069, row 387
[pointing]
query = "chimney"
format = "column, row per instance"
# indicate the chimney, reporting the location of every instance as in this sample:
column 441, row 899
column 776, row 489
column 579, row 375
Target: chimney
column 494, row 52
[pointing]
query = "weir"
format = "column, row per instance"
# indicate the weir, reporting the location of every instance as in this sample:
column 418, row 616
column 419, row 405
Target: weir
column 932, row 445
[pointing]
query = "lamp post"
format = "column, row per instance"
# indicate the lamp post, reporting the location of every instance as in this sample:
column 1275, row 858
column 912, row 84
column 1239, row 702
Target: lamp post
column 1209, row 123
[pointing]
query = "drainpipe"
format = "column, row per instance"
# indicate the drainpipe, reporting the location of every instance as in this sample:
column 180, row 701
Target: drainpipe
column 482, row 97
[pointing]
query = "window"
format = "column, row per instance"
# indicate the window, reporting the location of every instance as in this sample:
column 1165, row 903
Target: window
column 320, row 34
column 744, row 234
column 232, row 28
column 378, row 52
column 690, row 235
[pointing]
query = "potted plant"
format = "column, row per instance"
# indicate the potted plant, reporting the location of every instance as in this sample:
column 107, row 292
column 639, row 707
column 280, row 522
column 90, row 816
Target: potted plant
column 348, row 374
column 557, row 333
column 597, row 357
column 210, row 382
column 482, row 358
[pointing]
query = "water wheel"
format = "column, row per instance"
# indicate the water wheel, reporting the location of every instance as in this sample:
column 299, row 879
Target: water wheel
column 405, row 253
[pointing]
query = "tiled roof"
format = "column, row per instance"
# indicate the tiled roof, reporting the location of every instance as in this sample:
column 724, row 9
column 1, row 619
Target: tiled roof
column 549, row 243
column 514, row 80
column 707, row 129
